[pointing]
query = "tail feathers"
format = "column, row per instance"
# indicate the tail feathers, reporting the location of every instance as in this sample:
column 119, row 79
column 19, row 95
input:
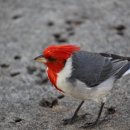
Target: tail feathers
column 126, row 73
column 125, row 70
column 121, row 64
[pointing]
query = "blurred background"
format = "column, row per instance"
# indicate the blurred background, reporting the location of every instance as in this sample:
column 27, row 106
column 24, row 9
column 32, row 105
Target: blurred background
column 27, row 99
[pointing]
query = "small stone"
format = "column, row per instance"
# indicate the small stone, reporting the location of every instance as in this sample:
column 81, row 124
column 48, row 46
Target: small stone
column 17, row 57
column 4, row 65
column 121, row 33
column 120, row 27
column 111, row 110
column 13, row 74
column 16, row 16
column 68, row 22
column 17, row 119
column 75, row 22
column 60, row 38
column 50, row 23
column 68, row 29
column 71, row 33
column 57, row 35
column 31, row 69
column 60, row 96
column 42, row 70
column 42, row 78
column 49, row 102
column 41, row 81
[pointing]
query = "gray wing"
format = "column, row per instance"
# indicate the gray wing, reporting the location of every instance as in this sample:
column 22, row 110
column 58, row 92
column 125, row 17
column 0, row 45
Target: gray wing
column 94, row 68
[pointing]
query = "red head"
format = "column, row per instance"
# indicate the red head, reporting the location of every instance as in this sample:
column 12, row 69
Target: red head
column 55, row 56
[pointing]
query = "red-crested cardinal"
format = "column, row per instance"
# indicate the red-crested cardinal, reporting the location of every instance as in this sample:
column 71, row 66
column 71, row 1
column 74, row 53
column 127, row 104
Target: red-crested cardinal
column 83, row 75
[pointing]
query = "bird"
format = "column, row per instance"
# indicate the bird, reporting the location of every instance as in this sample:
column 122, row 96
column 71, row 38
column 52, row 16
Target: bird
column 83, row 75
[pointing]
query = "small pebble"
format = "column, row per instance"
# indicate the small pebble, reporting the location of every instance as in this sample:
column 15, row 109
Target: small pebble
column 31, row 69
column 68, row 29
column 119, row 29
column 13, row 74
column 17, row 119
column 4, row 65
column 57, row 35
column 49, row 102
column 71, row 33
column 111, row 110
column 50, row 23
column 76, row 22
column 60, row 38
column 42, row 79
column 17, row 57
column 16, row 16
column 60, row 96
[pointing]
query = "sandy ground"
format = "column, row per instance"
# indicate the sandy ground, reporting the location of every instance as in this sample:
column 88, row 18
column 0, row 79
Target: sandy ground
column 27, row 99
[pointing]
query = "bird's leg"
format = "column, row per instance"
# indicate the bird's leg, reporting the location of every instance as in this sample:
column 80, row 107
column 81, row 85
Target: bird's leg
column 97, row 119
column 73, row 118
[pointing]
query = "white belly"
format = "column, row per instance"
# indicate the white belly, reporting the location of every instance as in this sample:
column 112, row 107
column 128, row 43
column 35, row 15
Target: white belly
column 82, row 92
column 78, row 89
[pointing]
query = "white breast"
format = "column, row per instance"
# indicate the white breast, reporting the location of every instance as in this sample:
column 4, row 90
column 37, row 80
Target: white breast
column 63, row 75
column 80, row 90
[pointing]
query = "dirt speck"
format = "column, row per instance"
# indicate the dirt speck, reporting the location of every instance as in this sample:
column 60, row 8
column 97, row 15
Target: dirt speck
column 14, row 74
column 111, row 110
column 4, row 65
column 49, row 102
column 17, row 57
column 31, row 69
column 50, row 23
column 17, row 120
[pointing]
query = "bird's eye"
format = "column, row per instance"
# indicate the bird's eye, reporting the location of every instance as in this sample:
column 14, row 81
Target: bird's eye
column 51, row 59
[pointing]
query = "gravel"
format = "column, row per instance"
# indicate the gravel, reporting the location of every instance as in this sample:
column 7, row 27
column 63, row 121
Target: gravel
column 28, row 100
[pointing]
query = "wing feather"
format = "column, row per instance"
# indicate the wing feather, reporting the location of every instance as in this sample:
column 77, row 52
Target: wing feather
column 94, row 68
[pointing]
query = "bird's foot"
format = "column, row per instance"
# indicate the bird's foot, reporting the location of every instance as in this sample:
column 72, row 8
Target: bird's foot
column 89, row 125
column 95, row 123
column 68, row 121
column 73, row 119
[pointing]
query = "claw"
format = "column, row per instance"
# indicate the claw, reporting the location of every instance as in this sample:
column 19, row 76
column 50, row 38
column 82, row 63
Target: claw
column 68, row 121
column 74, row 119
column 93, row 124
column 89, row 125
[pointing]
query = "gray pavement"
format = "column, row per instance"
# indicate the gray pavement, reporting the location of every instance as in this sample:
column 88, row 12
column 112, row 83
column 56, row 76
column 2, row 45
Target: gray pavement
column 27, row 99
